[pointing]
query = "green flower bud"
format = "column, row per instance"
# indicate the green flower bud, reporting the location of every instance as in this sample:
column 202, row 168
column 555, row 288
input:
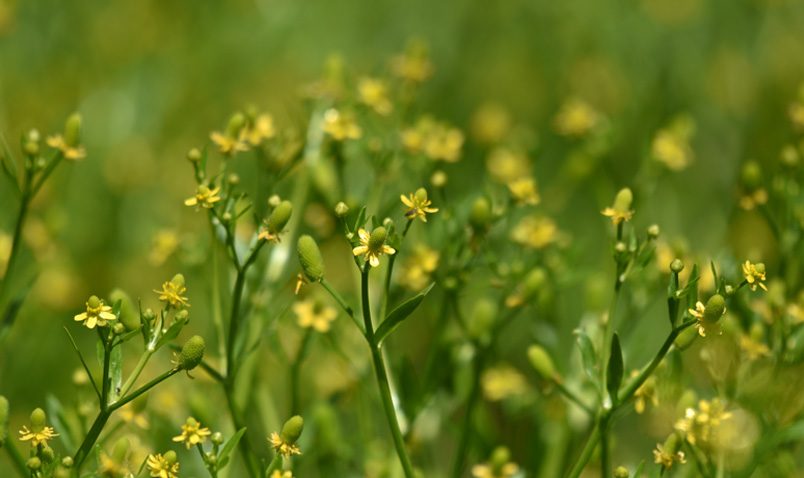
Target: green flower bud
column 274, row 200
column 236, row 123
column 31, row 148
column 677, row 266
column 47, row 454
column 38, row 419
column 178, row 280
column 621, row 472
column 312, row 262
column 292, row 429
column 217, row 438
column 653, row 233
column 482, row 319
column 541, row 361
column 67, row 462
column 499, row 458
column 194, row 155
column 623, row 200
column 72, row 130
column 672, row 444
column 751, row 175
column 534, row 281
column 148, row 315
column 211, row 458
column 129, row 316
column 170, row 457
column 279, row 217
column 480, row 215
column 686, row 337
column 34, row 463
column 688, row 399
column 715, row 308
column 233, row 179
column 341, row 209
column 377, row 238
column 118, row 329
column 192, row 352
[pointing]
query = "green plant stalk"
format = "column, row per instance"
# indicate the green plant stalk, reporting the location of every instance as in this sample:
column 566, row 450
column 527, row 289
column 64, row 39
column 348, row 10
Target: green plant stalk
column 16, row 458
column 346, row 307
column 275, row 464
column 137, row 371
column 624, row 395
column 605, row 448
column 466, row 427
column 571, row 396
column 106, row 412
column 382, row 378
column 25, row 201
column 389, row 272
column 295, row 371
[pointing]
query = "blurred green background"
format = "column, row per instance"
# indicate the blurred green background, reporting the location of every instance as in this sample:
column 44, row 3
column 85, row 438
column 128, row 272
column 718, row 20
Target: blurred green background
column 153, row 78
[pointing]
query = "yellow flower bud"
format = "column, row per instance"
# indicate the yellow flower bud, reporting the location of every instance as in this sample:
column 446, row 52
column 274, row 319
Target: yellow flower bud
column 192, row 352
column 310, row 258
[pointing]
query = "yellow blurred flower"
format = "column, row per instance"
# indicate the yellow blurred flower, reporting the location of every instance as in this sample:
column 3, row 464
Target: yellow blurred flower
column 161, row 467
column 754, row 275
column 416, row 272
column 524, row 191
column 436, row 140
column 751, row 199
column 507, row 165
column 282, row 447
column 164, row 244
column 576, row 118
column 535, row 231
column 667, row 459
column 282, row 474
column 414, row 64
column 73, row 152
column 490, row 123
column 341, row 126
column 310, row 314
column 228, row 145
column 752, row 348
column 373, row 92
column 701, row 425
column 646, row 393
column 502, row 382
column 418, row 205
column 258, row 130
column 671, row 145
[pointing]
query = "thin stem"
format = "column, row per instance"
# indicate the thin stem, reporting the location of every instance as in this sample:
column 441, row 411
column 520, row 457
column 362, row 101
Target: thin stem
column 586, row 454
column 90, row 439
column 237, row 421
column 295, row 371
column 346, row 307
column 16, row 458
column 106, row 381
column 16, row 240
column 389, row 272
column 466, row 428
column 382, row 378
column 605, row 449
column 571, row 396
column 136, row 372
column 275, row 464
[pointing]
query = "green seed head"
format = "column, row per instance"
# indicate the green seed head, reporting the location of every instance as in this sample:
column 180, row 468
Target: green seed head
column 217, row 438
column 377, row 238
column 72, row 130
column 192, row 353
column 677, row 266
column 129, row 316
column 34, row 463
column 541, row 361
column 170, row 457
column 623, row 200
column 236, row 123
column 421, row 195
column 67, row 462
column 621, row 472
column 292, row 429
column 672, row 444
column 341, row 209
column 312, row 262
column 94, row 302
column 279, row 217
column 480, row 216
column 38, row 418
column 178, row 280
column 715, row 308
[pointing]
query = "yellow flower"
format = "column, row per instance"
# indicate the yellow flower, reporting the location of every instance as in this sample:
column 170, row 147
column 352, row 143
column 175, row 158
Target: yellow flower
column 702, row 425
column 228, row 144
column 258, row 130
column 645, row 393
column 666, row 459
column 753, row 349
column 752, row 199
column 671, row 145
column 524, row 191
column 374, row 93
column 309, row 314
column 204, row 197
column 282, row 447
column 39, row 437
column 754, row 275
column 372, row 246
column 413, row 65
column 109, row 467
column 437, row 140
column 418, row 205
column 502, row 382
column 282, row 474
column 73, row 152
column 535, row 232
column 97, row 313
column 163, row 466
column 796, row 113
column 416, row 272
column 340, row 126
column 498, row 466
column 704, row 324
column 192, row 433
column 576, row 118
column 172, row 291
column 164, row 244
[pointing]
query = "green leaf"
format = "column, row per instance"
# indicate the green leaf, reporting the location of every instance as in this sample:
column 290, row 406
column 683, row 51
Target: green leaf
column 614, row 374
column 638, row 472
column 361, row 219
column 8, row 164
column 588, row 355
column 56, row 415
column 231, row 443
column 171, row 333
column 83, row 362
column 714, row 274
column 396, row 316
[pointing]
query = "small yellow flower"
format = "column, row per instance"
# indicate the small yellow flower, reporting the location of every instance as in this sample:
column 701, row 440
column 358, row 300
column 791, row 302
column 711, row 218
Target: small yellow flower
column 204, row 197
column 754, row 275
column 341, row 126
column 576, row 118
column 374, row 93
column 502, row 382
column 282, row 447
column 161, row 466
column 418, row 268
column 414, row 64
column 671, row 145
column 498, row 466
column 704, row 324
column 418, row 205
column 524, row 191
column 309, row 314
column 372, row 246
column 97, row 313
column 753, row 349
column 228, row 145
column 535, row 232
column 645, row 394
column 752, row 199
column 164, row 244
column 74, row 152
column 437, row 140
column 258, row 130
column 666, row 459
column 192, row 433
column 172, row 291
column 282, row 474
column 702, row 425
column 40, row 437
column 620, row 211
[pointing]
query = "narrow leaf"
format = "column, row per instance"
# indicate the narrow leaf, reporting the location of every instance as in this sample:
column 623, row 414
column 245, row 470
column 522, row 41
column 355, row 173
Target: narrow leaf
column 614, row 375
column 588, row 355
column 230, row 445
column 83, row 362
column 399, row 314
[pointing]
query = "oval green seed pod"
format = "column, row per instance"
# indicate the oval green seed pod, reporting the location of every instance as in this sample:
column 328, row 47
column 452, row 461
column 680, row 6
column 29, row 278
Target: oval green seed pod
column 236, row 123
column 279, row 217
column 623, row 200
column 72, row 130
column 292, row 429
column 170, row 457
column 38, row 418
column 377, row 238
column 480, row 215
column 312, row 262
column 715, row 308
column 541, row 362
column 129, row 316
column 192, row 352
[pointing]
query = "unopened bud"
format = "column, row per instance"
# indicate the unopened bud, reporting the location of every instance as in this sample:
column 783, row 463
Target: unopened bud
column 621, row 472
column 292, row 429
column 653, row 232
column 312, row 262
column 677, row 265
column 129, row 316
column 541, row 362
column 170, row 457
column 72, row 130
column 341, row 209
column 38, row 418
column 194, row 155
column 480, row 216
column 715, row 308
column 623, row 200
column 279, row 217
column 33, row 463
column 236, row 123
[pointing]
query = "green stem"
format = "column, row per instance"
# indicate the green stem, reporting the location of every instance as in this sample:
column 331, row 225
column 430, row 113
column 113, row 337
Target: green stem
column 571, row 396
column 295, row 371
column 586, row 454
column 106, row 381
column 382, row 378
column 234, row 324
column 136, row 372
column 605, row 449
column 389, row 272
column 237, row 421
column 17, row 237
column 346, row 307
column 466, row 428
column 16, row 458
column 275, row 464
